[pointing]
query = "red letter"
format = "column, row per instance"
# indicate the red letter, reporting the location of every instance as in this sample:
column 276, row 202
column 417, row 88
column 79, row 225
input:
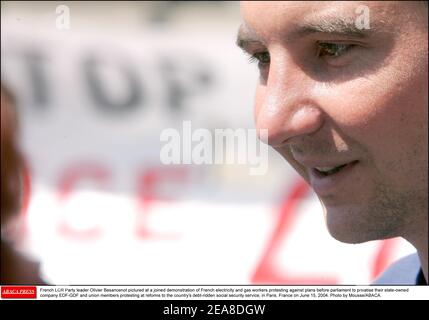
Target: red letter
column 66, row 186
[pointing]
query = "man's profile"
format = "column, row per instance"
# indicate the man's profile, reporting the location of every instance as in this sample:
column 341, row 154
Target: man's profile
column 347, row 107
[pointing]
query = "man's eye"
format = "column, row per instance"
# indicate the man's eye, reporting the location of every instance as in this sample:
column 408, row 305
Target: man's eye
column 261, row 57
column 333, row 49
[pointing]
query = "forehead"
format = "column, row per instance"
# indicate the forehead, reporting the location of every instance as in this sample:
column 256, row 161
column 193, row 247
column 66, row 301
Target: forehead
column 273, row 19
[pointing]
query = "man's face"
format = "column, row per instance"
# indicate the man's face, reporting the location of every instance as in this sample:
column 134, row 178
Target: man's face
column 335, row 95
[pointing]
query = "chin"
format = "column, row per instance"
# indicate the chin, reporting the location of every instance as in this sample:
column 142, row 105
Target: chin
column 350, row 226
column 346, row 235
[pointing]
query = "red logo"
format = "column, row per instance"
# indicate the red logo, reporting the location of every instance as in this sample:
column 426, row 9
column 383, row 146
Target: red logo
column 18, row 292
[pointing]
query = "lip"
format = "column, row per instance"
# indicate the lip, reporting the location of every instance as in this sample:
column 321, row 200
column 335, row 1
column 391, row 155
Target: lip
column 331, row 184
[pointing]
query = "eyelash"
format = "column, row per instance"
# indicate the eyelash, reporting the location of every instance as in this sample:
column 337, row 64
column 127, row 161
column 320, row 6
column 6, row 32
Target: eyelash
column 259, row 57
column 327, row 46
column 324, row 49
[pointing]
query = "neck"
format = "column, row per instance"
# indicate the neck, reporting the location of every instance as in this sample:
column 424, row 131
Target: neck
column 419, row 240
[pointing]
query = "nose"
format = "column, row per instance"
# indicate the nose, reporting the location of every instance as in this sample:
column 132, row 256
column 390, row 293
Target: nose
column 284, row 105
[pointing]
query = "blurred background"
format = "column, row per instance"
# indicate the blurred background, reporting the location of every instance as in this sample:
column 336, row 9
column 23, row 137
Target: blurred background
column 96, row 83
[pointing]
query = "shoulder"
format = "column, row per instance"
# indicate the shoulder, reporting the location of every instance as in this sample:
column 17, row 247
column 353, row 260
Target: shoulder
column 403, row 271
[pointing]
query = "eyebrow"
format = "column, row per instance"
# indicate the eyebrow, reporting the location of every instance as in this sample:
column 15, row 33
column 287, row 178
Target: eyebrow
column 325, row 25
column 332, row 25
column 246, row 37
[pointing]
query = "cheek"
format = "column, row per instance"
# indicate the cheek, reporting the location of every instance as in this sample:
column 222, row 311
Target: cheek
column 386, row 120
column 349, row 106
column 375, row 110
